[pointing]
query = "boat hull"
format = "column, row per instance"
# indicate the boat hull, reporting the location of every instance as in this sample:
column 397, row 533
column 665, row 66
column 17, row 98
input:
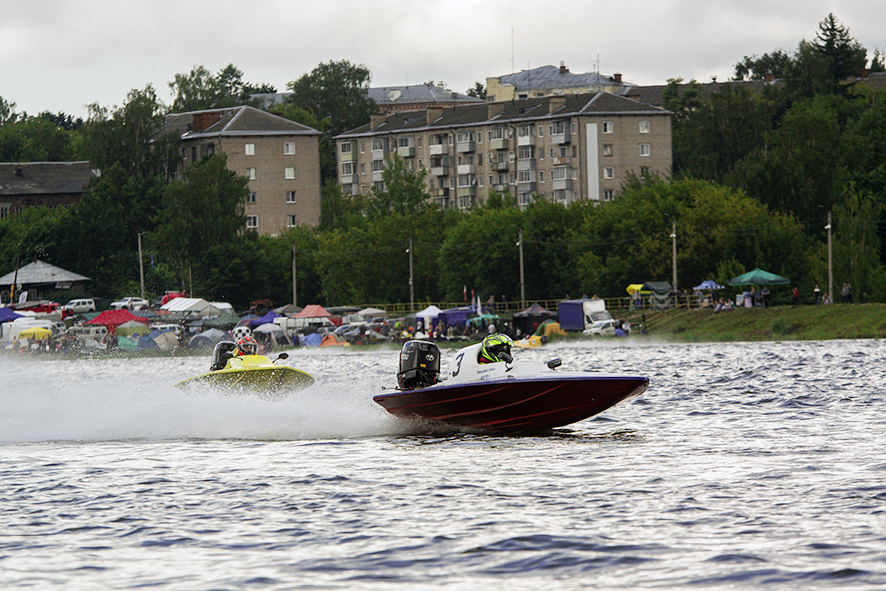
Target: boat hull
column 516, row 404
column 253, row 375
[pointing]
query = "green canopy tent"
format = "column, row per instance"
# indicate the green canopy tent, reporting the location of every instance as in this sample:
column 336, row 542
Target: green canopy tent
column 759, row 277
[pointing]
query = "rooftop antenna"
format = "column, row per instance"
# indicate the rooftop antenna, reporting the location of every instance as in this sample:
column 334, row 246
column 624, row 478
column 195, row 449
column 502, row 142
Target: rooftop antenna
column 513, row 63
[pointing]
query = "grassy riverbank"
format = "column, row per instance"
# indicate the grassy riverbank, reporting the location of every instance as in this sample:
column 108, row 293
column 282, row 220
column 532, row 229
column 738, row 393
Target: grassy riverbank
column 781, row 323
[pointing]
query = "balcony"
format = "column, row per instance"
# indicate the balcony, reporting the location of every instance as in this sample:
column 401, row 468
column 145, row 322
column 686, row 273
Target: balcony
column 347, row 156
column 377, row 176
column 406, row 152
column 562, row 161
column 437, row 149
column 349, row 178
column 466, row 169
column 499, row 144
column 526, row 140
column 525, row 164
column 500, row 166
column 561, row 184
column 466, row 191
column 464, row 147
column 441, row 193
column 561, row 138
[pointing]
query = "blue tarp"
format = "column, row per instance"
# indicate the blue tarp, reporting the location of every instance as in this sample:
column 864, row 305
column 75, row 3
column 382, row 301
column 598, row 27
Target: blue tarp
column 266, row 319
column 709, row 284
column 7, row 315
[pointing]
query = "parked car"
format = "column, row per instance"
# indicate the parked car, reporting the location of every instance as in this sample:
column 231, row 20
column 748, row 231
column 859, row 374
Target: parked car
column 80, row 306
column 605, row 328
column 130, row 303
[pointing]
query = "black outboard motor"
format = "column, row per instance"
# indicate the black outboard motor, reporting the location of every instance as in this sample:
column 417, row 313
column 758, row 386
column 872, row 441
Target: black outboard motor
column 223, row 351
column 419, row 365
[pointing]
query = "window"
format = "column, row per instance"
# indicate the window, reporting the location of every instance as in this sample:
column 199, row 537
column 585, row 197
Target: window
column 608, row 172
column 346, row 147
column 290, row 196
column 497, row 133
column 524, row 176
column 362, row 169
column 250, row 173
column 251, row 198
column 644, row 149
column 525, row 198
column 607, row 127
column 378, row 144
column 291, row 221
column 607, row 149
column 289, row 148
column 526, row 152
column 541, row 176
column 252, row 221
column 524, row 131
column 558, row 128
column 644, row 171
column 289, row 172
column 465, row 136
column 378, row 165
column 465, row 180
column 560, row 173
column 644, row 127
column 419, row 141
column 404, row 142
column 608, row 194
column 348, row 168
column 378, row 186
column 250, row 150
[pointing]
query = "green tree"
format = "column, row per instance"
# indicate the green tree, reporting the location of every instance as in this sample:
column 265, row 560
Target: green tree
column 132, row 136
column 204, row 209
column 404, row 190
column 760, row 68
column 337, row 91
column 845, row 56
column 201, row 89
column 7, row 112
column 478, row 90
column 36, row 139
column 857, row 246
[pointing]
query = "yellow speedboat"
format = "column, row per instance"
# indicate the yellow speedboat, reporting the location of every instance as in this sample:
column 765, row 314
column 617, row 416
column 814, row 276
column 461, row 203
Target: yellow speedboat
column 250, row 374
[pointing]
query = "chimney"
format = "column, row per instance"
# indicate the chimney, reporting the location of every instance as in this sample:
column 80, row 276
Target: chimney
column 434, row 114
column 376, row 120
column 555, row 103
column 563, row 68
column 495, row 109
column 617, row 77
column 203, row 121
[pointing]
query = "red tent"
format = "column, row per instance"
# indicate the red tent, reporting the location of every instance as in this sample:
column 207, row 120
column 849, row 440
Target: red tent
column 313, row 311
column 114, row 318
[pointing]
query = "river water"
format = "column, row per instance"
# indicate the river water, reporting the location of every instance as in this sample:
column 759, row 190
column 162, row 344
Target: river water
column 744, row 466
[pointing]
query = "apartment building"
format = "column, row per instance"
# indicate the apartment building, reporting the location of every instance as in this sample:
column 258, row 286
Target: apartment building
column 279, row 157
column 564, row 148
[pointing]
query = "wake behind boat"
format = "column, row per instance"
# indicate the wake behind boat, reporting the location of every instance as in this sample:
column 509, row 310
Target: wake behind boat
column 249, row 374
column 506, row 396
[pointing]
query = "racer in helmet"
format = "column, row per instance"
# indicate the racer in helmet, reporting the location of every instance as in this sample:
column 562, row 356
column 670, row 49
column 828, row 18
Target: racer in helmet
column 495, row 348
column 246, row 346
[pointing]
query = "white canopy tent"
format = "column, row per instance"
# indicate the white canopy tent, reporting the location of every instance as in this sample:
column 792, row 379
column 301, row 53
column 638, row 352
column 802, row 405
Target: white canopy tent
column 195, row 306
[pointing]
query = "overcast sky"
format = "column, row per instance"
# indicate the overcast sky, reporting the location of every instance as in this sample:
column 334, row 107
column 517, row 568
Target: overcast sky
column 60, row 55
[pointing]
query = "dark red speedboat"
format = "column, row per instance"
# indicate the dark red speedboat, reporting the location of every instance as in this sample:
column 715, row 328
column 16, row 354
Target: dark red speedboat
column 505, row 397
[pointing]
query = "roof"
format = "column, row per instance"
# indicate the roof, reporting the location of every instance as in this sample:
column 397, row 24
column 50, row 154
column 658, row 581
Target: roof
column 421, row 93
column 44, row 178
column 654, row 95
column 554, row 77
column 39, row 272
column 232, row 121
column 510, row 112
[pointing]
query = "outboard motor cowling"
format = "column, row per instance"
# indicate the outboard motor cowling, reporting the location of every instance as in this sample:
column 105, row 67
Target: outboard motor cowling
column 419, row 365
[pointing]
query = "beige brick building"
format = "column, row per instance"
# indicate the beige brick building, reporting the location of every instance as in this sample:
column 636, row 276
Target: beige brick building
column 564, row 148
column 278, row 156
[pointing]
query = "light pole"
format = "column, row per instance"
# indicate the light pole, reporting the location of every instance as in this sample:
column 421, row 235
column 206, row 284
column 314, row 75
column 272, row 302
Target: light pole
column 674, row 249
column 411, row 286
column 830, row 262
column 522, row 283
column 141, row 265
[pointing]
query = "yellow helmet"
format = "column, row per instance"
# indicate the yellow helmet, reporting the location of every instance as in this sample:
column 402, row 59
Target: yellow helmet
column 493, row 345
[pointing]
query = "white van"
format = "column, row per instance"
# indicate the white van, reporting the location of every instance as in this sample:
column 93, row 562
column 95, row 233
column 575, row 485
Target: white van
column 80, row 306
column 11, row 329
